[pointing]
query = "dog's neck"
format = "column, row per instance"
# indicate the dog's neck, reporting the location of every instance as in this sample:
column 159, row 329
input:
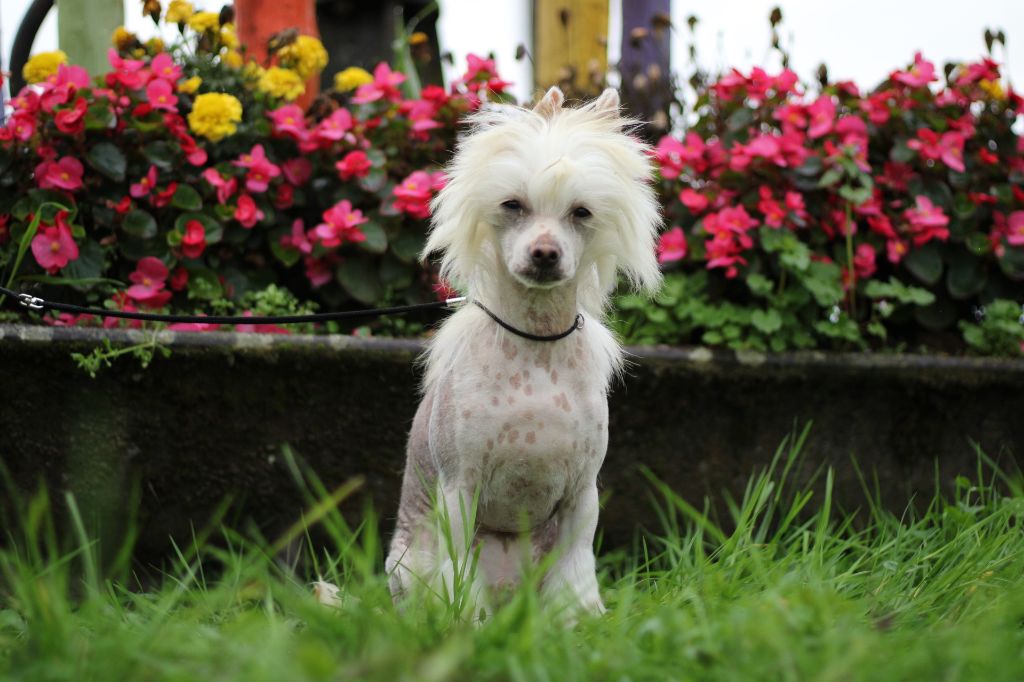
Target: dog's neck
column 531, row 309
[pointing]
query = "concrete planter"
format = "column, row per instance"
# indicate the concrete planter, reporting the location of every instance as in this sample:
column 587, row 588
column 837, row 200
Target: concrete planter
column 209, row 422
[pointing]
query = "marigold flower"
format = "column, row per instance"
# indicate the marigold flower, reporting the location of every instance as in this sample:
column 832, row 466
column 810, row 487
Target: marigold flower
column 233, row 58
column 43, row 65
column 191, row 85
column 179, row 11
column 201, row 22
column 122, row 38
column 351, row 78
column 306, row 55
column 155, row 45
column 228, row 37
column 281, row 83
column 215, row 115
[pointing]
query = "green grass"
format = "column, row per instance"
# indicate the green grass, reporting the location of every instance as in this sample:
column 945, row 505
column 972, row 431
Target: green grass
column 797, row 591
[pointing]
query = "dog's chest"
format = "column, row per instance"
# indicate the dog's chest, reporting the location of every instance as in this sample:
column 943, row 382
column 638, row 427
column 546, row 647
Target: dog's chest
column 530, row 423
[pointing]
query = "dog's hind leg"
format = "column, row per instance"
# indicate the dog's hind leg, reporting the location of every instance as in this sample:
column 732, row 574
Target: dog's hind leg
column 572, row 580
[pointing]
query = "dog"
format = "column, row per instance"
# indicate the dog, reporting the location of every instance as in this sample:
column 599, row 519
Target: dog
column 542, row 211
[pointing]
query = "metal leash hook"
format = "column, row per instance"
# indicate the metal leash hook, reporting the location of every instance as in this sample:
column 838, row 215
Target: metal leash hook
column 30, row 301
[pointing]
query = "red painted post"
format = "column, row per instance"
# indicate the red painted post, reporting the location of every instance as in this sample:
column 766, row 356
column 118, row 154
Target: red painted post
column 258, row 20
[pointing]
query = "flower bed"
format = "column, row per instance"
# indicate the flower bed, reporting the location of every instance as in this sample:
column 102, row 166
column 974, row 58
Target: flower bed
column 188, row 178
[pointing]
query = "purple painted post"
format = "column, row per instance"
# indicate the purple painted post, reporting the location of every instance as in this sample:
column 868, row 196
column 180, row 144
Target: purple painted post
column 644, row 64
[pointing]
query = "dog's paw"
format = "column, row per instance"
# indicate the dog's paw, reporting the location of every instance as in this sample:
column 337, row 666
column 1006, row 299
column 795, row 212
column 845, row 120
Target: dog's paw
column 327, row 593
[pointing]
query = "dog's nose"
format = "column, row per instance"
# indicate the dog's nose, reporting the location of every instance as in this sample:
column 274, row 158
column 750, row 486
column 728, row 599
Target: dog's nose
column 545, row 253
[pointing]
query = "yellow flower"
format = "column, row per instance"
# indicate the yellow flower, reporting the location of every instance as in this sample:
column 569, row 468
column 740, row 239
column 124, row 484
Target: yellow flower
column 179, row 11
column 43, row 65
column 228, row 37
column 215, row 115
column 418, row 38
column 122, row 38
column 351, row 78
column 306, row 55
column 993, row 88
column 191, row 85
column 204, row 21
column 232, row 58
column 155, row 45
column 281, row 83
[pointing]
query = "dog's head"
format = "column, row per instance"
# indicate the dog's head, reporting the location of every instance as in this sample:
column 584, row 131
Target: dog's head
column 552, row 196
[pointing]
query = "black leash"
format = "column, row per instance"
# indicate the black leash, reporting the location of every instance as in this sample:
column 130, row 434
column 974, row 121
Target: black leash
column 35, row 303
column 576, row 324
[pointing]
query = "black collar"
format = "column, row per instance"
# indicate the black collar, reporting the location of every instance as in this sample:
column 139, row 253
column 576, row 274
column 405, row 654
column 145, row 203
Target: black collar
column 576, row 324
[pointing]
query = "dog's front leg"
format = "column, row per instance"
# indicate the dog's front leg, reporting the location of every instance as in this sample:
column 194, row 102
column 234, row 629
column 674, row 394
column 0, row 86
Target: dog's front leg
column 574, row 575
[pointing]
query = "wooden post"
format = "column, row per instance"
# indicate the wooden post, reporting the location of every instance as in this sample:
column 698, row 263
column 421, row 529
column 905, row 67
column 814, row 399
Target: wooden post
column 258, row 20
column 570, row 43
column 84, row 30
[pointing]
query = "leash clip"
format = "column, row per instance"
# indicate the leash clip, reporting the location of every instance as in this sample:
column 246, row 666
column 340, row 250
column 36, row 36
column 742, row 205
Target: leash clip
column 30, row 301
column 452, row 302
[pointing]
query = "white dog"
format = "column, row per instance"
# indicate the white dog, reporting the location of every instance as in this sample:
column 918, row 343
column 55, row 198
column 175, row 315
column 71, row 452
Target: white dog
column 541, row 212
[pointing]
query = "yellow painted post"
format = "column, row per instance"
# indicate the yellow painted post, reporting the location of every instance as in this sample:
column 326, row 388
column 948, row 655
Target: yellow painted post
column 84, row 30
column 571, row 44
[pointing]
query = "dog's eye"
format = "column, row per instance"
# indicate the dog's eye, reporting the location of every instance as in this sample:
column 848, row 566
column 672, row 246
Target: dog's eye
column 512, row 205
column 581, row 212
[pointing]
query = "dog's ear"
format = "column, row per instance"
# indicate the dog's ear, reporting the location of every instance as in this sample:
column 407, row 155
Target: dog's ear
column 550, row 103
column 608, row 102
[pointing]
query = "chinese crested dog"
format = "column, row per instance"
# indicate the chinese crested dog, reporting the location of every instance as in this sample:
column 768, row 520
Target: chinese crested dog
column 542, row 211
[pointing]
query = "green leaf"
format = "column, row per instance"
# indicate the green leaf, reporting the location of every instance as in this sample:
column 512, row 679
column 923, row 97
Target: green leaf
column 407, row 245
column 937, row 316
column 901, row 153
column 187, row 199
column 739, row 119
column 374, row 180
column 99, row 117
column 376, row 240
column 394, row 273
column 925, row 263
column 161, row 154
column 1012, row 261
column 205, row 284
column 108, row 160
column 766, row 321
column 965, row 276
column 287, row 256
column 831, row 177
column 359, row 278
column 759, row 284
column 139, row 223
column 88, row 265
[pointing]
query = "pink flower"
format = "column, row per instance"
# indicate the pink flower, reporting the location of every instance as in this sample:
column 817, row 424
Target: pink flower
column 72, row 121
column 919, row 75
column 354, row 165
column 822, row 114
column 53, row 246
column 261, row 170
column 297, row 171
column 334, row 127
column 864, row 261
column 130, row 73
column 695, row 202
column 895, row 250
column 318, row 271
column 193, row 243
column 288, row 121
column 63, row 174
column 421, row 112
column 149, row 279
column 791, row 115
column 774, row 214
column 144, row 186
column 297, row 239
column 259, row 328
column 949, row 148
column 927, row 221
column 225, row 188
column 672, row 245
column 163, row 67
column 384, row 86
column 21, row 125
column 247, row 213
column 412, row 195
column 673, row 156
column 795, row 205
column 728, row 229
column 1015, row 229
column 160, row 95
column 340, row 225
column 179, row 279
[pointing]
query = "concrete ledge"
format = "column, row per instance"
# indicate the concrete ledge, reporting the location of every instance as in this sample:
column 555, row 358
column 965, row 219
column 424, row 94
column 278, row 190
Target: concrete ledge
column 210, row 421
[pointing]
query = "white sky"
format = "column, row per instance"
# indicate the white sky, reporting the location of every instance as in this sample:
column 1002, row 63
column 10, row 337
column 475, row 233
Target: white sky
column 858, row 39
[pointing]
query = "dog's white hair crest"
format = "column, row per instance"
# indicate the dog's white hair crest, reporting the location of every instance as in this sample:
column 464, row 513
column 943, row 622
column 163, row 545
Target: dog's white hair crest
column 586, row 156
